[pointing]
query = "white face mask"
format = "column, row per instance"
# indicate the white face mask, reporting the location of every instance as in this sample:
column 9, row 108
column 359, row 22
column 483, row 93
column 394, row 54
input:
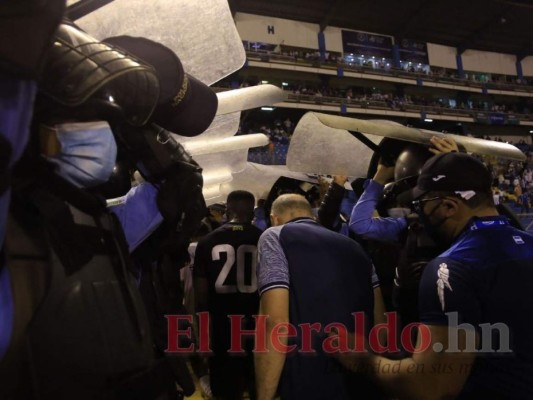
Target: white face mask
column 398, row 212
column 88, row 152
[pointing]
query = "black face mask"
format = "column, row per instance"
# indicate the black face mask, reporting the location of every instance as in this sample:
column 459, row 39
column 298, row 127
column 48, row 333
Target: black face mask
column 432, row 228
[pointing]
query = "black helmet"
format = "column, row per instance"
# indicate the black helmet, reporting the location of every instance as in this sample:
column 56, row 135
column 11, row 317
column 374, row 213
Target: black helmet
column 80, row 70
column 410, row 161
column 387, row 152
column 392, row 195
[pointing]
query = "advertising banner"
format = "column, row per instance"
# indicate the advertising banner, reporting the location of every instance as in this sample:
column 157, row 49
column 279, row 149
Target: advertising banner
column 366, row 44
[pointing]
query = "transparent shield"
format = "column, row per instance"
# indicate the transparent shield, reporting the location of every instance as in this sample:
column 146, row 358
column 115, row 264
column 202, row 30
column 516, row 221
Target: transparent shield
column 323, row 144
column 207, row 54
column 395, row 131
column 320, row 149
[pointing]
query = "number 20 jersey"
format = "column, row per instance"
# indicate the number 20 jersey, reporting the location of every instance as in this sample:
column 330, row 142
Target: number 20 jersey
column 227, row 258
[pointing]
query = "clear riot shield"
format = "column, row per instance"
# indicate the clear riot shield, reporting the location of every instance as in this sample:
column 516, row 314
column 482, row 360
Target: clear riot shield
column 207, row 54
column 322, row 143
column 321, row 149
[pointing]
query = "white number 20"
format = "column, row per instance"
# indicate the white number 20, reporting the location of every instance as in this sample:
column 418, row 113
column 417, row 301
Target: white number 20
column 241, row 286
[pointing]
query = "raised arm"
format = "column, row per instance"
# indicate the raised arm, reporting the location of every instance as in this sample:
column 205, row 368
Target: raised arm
column 362, row 221
column 328, row 213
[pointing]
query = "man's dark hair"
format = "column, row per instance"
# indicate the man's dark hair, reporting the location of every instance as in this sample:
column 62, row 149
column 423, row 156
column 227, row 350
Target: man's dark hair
column 241, row 205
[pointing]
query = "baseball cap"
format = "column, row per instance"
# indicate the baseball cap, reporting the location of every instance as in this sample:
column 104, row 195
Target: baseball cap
column 453, row 172
column 186, row 106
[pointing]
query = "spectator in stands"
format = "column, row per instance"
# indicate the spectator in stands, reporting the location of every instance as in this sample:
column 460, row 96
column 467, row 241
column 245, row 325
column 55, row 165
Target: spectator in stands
column 524, row 202
column 528, row 177
column 289, row 126
column 496, row 196
column 517, row 190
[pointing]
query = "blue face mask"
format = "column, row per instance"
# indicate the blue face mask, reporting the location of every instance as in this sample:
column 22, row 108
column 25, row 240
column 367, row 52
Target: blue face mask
column 88, row 153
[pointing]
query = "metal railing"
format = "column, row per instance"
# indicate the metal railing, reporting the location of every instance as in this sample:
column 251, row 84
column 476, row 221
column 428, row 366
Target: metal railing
column 391, row 105
column 391, row 71
column 384, row 105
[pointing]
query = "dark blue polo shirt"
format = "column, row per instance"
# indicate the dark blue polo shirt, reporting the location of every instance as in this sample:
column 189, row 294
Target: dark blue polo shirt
column 329, row 277
column 486, row 278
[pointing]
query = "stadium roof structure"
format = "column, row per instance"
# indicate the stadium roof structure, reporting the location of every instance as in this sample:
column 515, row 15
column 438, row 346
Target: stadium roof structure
column 503, row 26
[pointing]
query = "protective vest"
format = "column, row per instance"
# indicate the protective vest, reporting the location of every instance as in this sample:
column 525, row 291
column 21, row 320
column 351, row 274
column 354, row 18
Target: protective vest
column 79, row 327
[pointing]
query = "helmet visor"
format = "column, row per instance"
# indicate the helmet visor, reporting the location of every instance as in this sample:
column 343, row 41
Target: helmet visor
column 79, row 67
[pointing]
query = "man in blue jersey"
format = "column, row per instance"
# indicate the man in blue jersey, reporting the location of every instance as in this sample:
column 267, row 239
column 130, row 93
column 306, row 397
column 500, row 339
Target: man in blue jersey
column 474, row 297
column 308, row 276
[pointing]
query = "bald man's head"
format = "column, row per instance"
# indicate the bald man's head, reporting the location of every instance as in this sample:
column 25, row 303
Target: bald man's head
column 288, row 207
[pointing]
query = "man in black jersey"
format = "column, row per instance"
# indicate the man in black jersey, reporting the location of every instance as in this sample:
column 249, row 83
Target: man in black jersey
column 226, row 284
